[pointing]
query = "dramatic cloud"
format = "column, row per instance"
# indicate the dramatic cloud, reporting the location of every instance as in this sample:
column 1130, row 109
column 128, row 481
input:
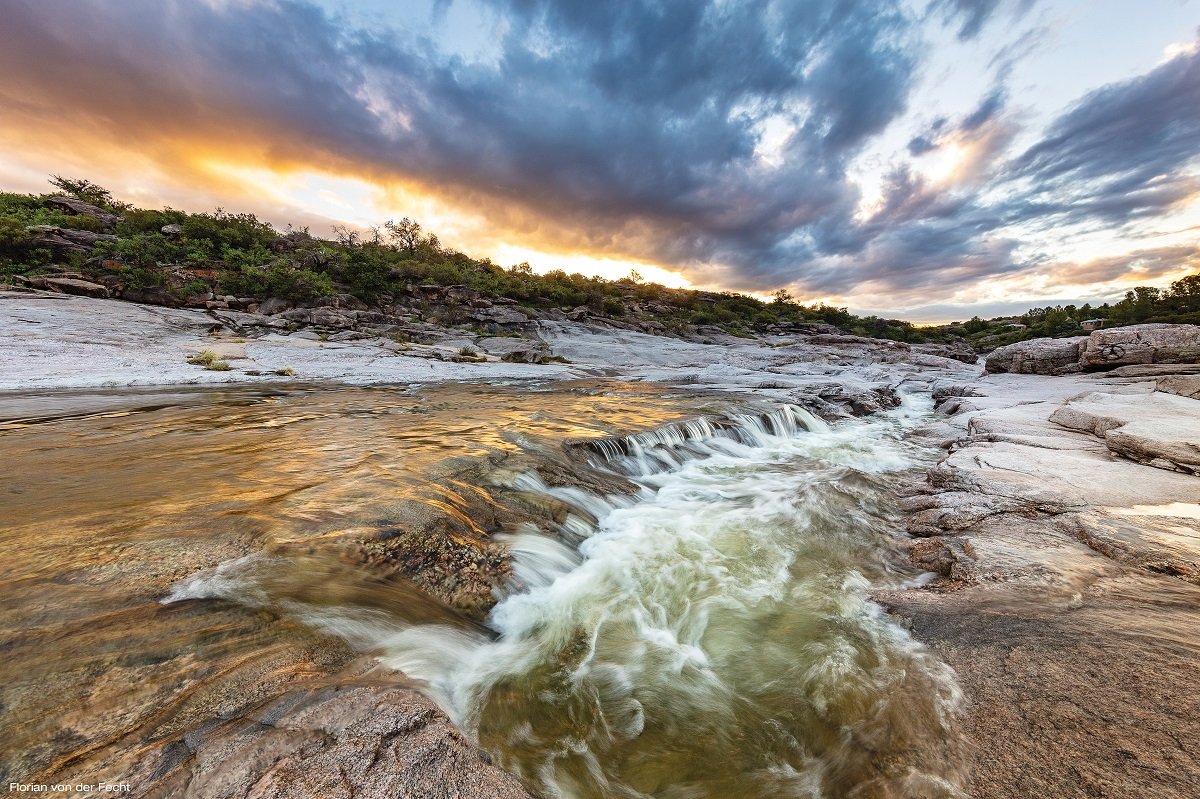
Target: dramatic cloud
column 722, row 139
column 1123, row 151
column 972, row 15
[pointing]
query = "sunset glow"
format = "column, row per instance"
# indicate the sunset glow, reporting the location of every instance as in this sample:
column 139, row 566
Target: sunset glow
column 953, row 167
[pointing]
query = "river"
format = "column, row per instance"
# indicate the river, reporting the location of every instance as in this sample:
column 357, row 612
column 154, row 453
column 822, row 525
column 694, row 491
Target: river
column 685, row 611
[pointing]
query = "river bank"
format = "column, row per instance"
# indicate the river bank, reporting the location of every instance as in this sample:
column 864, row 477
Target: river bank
column 1053, row 518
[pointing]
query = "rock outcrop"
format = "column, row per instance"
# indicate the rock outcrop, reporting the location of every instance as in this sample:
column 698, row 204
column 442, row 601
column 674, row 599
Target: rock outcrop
column 1161, row 429
column 1103, row 349
column 351, row 741
column 1140, row 344
column 1039, row 356
column 1182, row 385
column 66, row 239
column 84, row 288
column 75, row 206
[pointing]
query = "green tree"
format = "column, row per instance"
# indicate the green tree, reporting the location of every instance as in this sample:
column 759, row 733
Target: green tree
column 82, row 189
column 405, row 234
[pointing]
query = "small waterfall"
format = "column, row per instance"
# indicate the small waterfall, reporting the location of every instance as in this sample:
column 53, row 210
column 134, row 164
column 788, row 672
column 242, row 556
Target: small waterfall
column 668, row 447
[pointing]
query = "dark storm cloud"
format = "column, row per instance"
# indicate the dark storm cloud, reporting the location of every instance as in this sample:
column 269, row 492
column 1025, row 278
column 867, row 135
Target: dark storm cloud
column 628, row 128
column 973, row 15
column 634, row 121
column 1121, row 151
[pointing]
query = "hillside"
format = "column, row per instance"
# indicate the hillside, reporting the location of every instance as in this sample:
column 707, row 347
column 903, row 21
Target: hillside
column 83, row 240
column 235, row 260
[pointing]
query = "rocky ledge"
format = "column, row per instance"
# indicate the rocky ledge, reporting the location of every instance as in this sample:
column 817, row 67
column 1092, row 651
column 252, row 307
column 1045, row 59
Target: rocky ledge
column 1103, row 349
column 1064, row 529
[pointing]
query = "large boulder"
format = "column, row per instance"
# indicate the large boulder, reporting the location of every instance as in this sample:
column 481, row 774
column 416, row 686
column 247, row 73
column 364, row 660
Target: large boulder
column 74, row 206
column 274, row 305
column 1039, row 356
column 1137, row 344
column 63, row 239
column 84, row 288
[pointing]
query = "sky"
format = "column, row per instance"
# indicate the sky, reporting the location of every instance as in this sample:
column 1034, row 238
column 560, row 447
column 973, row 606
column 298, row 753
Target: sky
column 928, row 160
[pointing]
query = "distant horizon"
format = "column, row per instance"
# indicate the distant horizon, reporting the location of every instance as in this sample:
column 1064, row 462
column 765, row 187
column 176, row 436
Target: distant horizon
column 932, row 161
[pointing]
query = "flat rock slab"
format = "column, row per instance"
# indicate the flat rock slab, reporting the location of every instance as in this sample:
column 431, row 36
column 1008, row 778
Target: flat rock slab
column 1158, row 429
column 1182, row 385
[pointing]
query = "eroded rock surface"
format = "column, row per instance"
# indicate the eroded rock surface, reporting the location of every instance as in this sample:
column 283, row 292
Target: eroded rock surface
column 342, row 742
column 1067, row 595
column 1136, row 344
column 1103, row 349
column 1158, row 429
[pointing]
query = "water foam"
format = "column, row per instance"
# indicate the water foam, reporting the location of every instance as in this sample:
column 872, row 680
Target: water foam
column 717, row 623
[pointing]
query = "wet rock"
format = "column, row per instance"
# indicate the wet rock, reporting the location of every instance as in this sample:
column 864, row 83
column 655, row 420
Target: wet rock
column 946, row 393
column 1039, row 356
column 348, row 742
column 947, row 556
column 1141, row 344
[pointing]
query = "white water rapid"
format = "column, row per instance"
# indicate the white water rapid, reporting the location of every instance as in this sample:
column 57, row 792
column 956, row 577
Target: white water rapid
column 711, row 636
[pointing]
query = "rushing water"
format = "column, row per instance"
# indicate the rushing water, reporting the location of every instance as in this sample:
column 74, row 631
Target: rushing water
column 710, row 635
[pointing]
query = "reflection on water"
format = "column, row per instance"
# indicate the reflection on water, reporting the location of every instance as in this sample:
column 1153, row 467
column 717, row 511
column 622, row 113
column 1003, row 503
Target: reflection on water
column 706, row 636
column 108, row 500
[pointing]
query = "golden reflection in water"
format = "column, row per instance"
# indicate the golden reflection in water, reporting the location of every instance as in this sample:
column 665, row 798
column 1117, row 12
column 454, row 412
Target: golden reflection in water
column 109, row 498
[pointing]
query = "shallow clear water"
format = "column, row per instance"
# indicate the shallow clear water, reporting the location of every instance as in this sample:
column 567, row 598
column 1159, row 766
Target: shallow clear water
column 710, row 635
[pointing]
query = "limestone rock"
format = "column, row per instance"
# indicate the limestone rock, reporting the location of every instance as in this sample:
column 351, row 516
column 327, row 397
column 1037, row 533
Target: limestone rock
column 1161, row 429
column 1183, row 385
column 274, row 305
column 83, row 288
column 74, row 206
column 1138, row 344
column 1039, row 356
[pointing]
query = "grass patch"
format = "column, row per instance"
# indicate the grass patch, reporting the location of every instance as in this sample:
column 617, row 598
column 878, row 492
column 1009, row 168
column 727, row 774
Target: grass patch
column 286, row 371
column 209, row 360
